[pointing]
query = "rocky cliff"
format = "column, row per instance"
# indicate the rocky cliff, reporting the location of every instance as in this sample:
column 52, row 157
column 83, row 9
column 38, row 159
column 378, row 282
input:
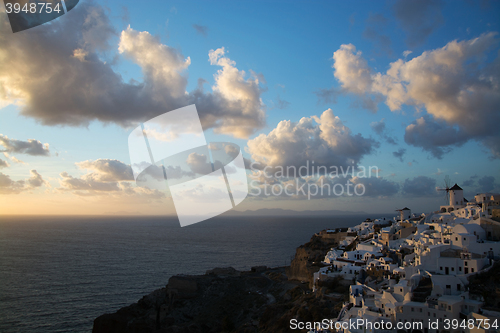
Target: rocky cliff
column 308, row 257
column 226, row 300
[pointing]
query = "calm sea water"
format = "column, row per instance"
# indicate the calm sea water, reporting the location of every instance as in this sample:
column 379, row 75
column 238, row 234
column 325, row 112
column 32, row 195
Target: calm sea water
column 57, row 274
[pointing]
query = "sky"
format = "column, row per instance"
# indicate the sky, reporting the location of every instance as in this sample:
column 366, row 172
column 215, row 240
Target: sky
column 410, row 89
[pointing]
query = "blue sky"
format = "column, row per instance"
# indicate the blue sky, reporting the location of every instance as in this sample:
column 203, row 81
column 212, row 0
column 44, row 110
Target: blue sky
column 290, row 47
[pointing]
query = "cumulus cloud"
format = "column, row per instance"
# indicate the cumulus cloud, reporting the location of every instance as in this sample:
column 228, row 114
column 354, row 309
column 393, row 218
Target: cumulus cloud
column 419, row 187
column 58, row 77
column 434, row 136
column 9, row 186
column 201, row 29
column 114, row 171
column 36, row 180
column 30, row 147
column 324, row 140
column 354, row 75
column 456, row 85
column 4, row 164
column 380, row 128
column 419, row 18
column 87, row 182
column 106, row 177
column 199, row 163
column 108, row 170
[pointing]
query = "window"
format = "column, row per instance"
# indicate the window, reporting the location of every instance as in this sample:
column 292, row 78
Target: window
column 441, row 268
column 412, row 309
column 465, row 263
column 460, row 269
column 458, row 286
column 449, row 307
column 472, row 270
column 456, row 238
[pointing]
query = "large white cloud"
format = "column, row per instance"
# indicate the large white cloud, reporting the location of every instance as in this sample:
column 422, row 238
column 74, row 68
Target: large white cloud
column 457, row 84
column 324, row 140
column 57, row 75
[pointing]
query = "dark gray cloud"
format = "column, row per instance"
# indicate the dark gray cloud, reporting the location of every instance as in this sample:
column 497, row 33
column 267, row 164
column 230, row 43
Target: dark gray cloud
column 436, row 137
column 420, row 186
column 327, row 96
column 375, row 25
column 201, row 29
column 377, row 186
column 487, row 184
column 399, row 154
column 468, row 182
column 30, row 147
column 60, row 73
column 380, row 128
column 418, row 18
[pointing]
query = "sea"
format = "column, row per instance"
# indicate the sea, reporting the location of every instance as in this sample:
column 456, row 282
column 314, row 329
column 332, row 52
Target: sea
column 57, row 274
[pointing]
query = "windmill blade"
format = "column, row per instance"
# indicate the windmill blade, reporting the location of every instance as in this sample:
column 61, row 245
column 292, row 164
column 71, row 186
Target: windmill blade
column 447, row 182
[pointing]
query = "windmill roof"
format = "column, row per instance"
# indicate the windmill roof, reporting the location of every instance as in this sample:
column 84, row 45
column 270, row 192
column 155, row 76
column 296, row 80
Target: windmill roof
column 456, row 187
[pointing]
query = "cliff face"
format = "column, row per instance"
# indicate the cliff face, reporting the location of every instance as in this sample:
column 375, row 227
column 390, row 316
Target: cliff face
column 226, row 300
column 223, row 301
column 308, row 257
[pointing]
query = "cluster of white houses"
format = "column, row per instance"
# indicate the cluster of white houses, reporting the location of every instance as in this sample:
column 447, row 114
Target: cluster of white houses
column 415, row 269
